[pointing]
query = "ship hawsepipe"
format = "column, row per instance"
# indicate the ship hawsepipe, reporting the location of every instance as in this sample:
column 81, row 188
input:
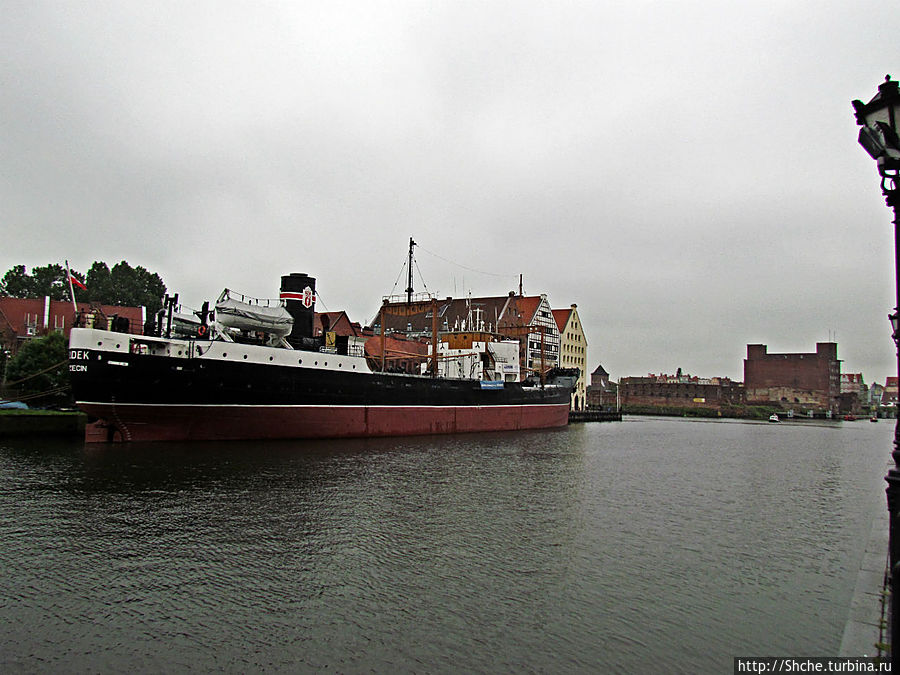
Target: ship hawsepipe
column 144, row 388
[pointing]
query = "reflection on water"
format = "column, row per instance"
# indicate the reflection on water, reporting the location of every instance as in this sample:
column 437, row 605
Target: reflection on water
column 597, row 547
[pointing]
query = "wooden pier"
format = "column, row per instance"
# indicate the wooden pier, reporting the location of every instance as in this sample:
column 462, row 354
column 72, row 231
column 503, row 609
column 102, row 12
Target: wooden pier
column 594, row 416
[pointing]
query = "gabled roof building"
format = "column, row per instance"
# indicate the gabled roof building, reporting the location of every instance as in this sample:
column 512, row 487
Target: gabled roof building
column 602, row 393
column 889, row 394
column 528, row 319
column 336, row 322
column 573, row 350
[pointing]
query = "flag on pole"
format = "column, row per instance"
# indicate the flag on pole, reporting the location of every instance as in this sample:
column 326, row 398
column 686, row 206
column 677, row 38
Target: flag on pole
column 72, row 290
column 75, row 281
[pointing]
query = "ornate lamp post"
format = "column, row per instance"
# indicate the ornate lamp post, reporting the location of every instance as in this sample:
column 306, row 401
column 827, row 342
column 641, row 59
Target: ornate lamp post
column 878, row 135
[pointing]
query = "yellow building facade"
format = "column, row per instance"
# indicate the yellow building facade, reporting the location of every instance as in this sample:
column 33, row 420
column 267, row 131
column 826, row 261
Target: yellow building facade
column 573, row 349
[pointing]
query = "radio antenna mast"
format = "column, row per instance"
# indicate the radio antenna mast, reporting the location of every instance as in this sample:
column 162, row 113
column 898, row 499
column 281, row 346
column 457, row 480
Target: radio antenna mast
column 409, row 288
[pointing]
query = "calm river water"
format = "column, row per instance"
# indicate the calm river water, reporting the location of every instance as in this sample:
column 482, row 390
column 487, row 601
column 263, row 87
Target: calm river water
column 648, row 545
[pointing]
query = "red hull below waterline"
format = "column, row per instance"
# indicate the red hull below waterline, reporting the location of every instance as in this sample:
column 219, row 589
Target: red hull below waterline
column 143, row 422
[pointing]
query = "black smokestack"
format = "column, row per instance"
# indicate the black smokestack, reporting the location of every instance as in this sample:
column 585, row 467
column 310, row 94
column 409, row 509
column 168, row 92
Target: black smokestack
column 299, row 293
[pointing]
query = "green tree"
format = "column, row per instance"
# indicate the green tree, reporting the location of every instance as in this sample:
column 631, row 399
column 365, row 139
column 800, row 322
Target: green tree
column 51, row 280
column 98, row 283
column 40, row 367
column 43, row 281
column 16, row 283
column 123, row 285
column 135, row 286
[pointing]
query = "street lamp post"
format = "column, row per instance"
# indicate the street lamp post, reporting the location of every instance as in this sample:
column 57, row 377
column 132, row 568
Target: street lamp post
column 878, row 135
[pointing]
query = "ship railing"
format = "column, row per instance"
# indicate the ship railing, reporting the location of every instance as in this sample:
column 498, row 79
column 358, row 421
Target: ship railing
column 401, row 299
column 250, row 300
column 96, row 318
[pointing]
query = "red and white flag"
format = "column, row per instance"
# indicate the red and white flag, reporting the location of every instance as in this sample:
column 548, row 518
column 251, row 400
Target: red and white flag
column 72, row 280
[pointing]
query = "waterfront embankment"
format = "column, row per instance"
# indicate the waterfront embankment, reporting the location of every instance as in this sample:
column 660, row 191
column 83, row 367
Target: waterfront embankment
column 865, row 633
column 41, row 423
column 737, row 412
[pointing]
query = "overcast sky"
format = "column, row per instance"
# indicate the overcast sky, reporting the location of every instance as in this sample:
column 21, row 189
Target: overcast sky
column 686, row 172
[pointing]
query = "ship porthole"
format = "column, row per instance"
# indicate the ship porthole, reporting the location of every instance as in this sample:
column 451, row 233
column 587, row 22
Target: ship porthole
column 245, row 356
column 316, row 363
column 224, row 354
column 271, row 358
column 300, row 362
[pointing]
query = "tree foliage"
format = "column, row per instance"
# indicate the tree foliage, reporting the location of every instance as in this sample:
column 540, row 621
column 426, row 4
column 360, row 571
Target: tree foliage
column 122, row 285
column 40, row 366
column 15, row 283
column 48, row 280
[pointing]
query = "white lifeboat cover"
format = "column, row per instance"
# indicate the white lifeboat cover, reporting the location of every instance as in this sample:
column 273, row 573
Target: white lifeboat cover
column 271, row 317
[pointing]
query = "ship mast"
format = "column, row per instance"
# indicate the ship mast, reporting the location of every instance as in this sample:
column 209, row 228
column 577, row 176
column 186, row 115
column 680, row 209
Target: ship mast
column 409, row 287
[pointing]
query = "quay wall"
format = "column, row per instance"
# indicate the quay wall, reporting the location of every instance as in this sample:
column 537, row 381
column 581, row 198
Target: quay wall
column 41, row 423
column 576, row 416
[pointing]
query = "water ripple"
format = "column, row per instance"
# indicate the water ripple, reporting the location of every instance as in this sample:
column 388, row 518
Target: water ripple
column 594, row 548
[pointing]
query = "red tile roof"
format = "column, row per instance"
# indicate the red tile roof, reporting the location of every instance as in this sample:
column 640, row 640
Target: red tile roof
column 562, row 317
column 338, row 322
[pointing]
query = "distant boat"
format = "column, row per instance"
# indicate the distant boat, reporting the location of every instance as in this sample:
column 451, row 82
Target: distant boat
column 774, row 418
column 873, row 418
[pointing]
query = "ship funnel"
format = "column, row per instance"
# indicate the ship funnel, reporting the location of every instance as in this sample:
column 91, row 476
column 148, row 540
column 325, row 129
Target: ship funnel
column 299, row 293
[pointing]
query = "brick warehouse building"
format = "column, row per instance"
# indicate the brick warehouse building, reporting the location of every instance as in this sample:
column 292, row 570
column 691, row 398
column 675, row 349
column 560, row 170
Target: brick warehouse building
column 680, row 391
column 811, row 381
column 24, row 318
